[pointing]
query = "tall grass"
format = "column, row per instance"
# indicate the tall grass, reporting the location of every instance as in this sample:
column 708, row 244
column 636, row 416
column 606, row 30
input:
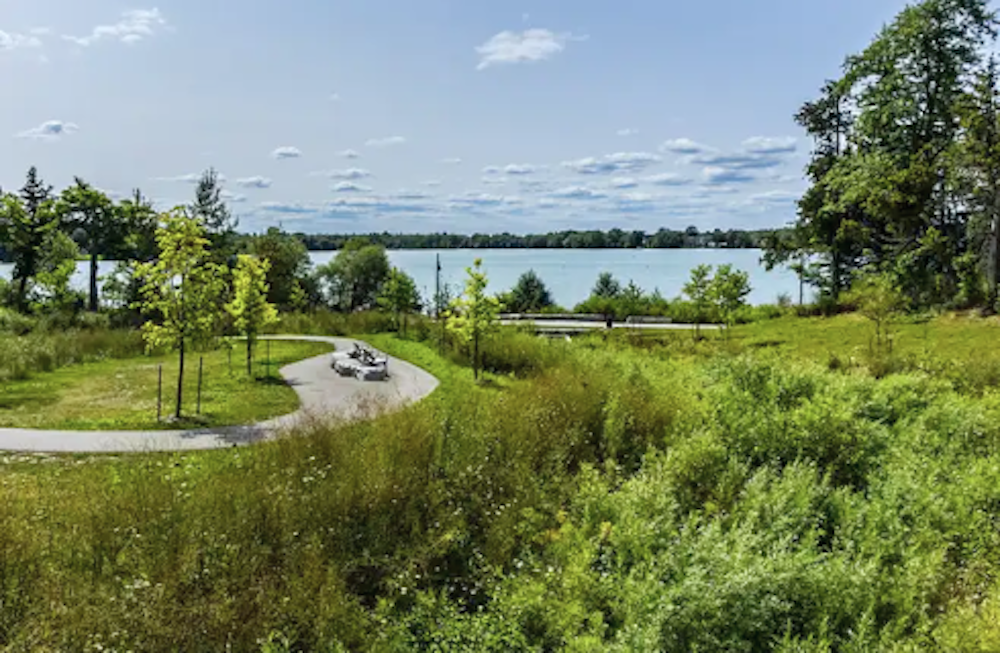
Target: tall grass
column 24, row 355
column 606, row 499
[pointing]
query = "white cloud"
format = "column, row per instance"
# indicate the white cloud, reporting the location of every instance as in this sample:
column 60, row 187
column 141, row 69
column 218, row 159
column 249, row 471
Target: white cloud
column 348, row 174
column 493, row 181
column 286, row 152
column 13, row 41
column 388, row 141
column 520, row 169
column 618, row 162
column 624, row 182
column 350, row 187
column 253, row 182
column 483, row 199
column 628, row 131
column 349, row 154
column 774, row 197
column 767, row 145
column 531, row 45
column 189, row 178
column 452, row 161
column 410, row 195
column 132, row 27
column 579, row 193
column 684, row 146
column 720, row 175
column 668, row 179
column 49, row 130
column 40, row 31
column 230, row 196
column 491, row 170
column 288, row 207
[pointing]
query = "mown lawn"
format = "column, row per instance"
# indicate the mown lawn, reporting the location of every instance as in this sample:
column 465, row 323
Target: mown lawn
column 122, row 394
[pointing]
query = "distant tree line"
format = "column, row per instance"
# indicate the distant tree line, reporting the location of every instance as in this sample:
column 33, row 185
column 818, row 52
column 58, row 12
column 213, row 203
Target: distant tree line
column 690, row 237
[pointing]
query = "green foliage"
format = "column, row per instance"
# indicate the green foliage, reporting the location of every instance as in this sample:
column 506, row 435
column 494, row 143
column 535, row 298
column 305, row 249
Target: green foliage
column 355, row 276
column 399, row 297
column 474, row 315
column 101, row 226
column 729, row 289
column 181, row 290
column 288, row 269
column 210, row 210
column 249, row 308
column 57, row 265
column 880, row 300
column 26, row 223
column 528, row 295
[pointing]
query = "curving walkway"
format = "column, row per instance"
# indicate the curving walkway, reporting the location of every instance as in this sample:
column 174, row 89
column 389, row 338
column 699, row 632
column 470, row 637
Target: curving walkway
column 322, row 394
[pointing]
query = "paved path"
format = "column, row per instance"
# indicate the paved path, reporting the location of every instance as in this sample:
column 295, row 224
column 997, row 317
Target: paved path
column 322, row 392
column 583, row 325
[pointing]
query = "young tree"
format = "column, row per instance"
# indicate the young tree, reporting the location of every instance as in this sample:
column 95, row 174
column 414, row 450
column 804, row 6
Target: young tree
column 249, row 307
column 289, row 265
column 729, row 290
column 529, row 294
column 99, row 226
column 699, row 291
column 212, row 212
column 28, row 220
column 180, row 290
column 879, row 299
column 399, row 296
column 475, row 314
column 55, row 269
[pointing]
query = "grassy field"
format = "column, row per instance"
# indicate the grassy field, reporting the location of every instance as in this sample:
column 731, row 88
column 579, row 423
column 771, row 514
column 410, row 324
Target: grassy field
column 594, row 495
column 121, row 393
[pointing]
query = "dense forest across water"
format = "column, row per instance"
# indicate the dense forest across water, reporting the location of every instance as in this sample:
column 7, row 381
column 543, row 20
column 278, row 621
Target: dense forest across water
column 689, row 238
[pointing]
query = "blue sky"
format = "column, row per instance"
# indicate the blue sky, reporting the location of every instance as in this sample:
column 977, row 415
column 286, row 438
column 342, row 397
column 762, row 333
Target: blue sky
column 430, row 115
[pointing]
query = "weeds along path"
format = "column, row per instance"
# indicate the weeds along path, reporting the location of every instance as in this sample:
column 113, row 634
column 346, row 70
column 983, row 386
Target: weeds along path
column 323, row 394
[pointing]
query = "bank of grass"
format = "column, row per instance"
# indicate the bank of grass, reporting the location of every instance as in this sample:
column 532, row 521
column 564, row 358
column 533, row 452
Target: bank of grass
column 601, row 497
column 121, row 393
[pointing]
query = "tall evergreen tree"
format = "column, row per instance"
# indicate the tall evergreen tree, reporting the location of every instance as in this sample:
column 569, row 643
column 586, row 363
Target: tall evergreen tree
column 211, row 210
column 29, row 218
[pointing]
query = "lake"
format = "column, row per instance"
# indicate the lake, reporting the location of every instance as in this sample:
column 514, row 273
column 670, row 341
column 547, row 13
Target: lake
column 569, row 273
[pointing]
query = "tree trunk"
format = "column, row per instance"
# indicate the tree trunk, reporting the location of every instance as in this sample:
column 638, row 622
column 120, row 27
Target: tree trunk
column 180, row 382
column 249, row 357
column 22, row 289
column 993, row 267
column 475, row 357
column 93, row 281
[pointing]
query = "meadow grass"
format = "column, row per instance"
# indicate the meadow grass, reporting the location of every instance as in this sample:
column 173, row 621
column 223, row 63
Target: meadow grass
column 596, row 495
column 122, row 393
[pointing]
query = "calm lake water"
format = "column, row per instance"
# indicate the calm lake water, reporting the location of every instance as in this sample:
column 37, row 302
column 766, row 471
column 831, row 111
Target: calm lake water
column 569, row 274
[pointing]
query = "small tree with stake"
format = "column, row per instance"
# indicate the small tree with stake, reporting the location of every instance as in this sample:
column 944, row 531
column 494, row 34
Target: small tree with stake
column 180, row 291
column 249, row 307
column 729, row 289
column 474, row 315
column 399, row 296
column 699, row 290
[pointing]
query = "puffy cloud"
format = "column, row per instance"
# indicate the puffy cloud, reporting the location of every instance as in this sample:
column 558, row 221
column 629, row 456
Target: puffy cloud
column 253, row 182
column 720, row 175
column 618, row 162
column 409, row 195
column 349, row 154
column 286, row 152
column 668, row 179
column 628, row 131
column 349, row 174
column 520, row 169
column 133, row 26
column 350, row 187
column 482, row 199
column 13, row 41
column 531, row 45
column 624, row 182
column 49, row 130
column 288, row 207
column 388, row 141
column 579, row 193
column 189, row 178
column 491, row 170
column 766, row 145
column 774, row 197
column 684, row 146
column 738, row 161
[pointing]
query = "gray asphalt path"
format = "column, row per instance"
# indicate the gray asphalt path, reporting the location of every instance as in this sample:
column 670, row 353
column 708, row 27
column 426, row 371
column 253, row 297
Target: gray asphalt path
column 323, row 394
column 555, row 325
